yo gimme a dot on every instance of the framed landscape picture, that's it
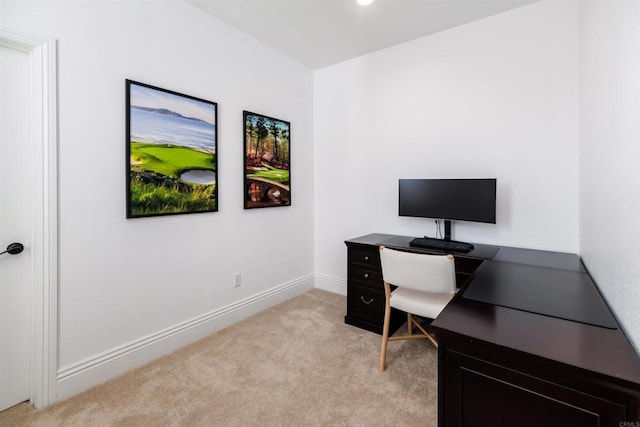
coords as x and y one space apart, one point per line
267 178
172 158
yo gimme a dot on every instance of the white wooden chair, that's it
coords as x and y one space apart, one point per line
425 285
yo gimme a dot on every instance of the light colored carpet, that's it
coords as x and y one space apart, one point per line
295 364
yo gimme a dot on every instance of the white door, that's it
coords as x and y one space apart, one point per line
15 226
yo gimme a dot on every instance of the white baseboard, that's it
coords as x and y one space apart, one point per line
84 374
331 284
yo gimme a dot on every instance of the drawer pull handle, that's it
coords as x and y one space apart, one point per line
366 258
365 301
366 275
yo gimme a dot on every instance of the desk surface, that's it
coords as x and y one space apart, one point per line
559 260
600 350
542 282
565 294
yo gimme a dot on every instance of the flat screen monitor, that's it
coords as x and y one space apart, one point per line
449 199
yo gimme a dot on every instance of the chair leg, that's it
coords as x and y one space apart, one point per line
385 327
433 340
409 325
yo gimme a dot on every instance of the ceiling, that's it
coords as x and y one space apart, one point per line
319 33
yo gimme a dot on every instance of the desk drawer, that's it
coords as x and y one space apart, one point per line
366 303
369 276
365 256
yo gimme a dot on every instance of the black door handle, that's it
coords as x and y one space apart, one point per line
13 249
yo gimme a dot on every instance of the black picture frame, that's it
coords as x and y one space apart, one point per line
267 161
171 152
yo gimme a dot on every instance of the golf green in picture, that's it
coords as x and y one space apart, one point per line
171 152
267 180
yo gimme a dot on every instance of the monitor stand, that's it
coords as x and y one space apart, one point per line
447 230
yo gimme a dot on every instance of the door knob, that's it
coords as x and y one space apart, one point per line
13 249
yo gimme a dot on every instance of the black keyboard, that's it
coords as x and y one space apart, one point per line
443 245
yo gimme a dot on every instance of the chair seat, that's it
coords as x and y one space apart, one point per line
423 304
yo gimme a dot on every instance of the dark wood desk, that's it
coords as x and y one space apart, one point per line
501 366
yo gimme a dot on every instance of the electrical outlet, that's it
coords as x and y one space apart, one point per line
237 280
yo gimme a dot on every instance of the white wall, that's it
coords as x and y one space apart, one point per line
610 154
493 98
127 285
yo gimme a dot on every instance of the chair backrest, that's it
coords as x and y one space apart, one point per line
423 272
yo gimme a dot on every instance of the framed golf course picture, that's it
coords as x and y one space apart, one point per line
267 180
172 152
